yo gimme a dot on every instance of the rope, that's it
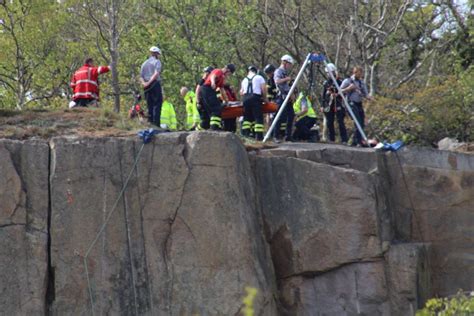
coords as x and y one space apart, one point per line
413 210
101 230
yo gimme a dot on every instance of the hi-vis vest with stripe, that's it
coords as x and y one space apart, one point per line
297 107
192 113
84 82
168 116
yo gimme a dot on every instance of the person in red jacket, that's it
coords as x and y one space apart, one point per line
208 93
85 84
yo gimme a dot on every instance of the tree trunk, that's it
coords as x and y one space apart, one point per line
373 82
114 55
115 80
21 91
431 70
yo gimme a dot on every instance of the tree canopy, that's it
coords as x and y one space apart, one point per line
416 54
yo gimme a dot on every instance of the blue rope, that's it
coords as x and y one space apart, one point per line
147 134
393 146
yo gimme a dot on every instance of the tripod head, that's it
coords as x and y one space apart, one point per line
317 58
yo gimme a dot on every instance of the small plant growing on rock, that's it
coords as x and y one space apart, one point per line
248 301
461 304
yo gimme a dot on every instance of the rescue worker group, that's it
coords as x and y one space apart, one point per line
213 104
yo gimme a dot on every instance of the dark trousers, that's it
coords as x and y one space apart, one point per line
203 115
230 125
330 116
253 115
85 102
303 128
360 117
154 100
212 106
284 125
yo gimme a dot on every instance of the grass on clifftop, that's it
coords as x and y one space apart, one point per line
44 124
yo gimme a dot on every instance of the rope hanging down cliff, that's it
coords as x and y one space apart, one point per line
146 136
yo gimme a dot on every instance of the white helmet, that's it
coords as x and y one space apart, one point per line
288 59
330 68
155 49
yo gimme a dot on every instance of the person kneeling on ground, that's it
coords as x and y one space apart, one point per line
192 113
230 124
168 116
305 119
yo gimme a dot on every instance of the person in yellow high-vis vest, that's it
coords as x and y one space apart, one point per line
168 116
305 118
192 113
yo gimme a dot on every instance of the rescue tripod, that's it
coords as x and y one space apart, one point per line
314 58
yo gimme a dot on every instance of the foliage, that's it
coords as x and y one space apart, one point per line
248 309
31 48
425 115
415 43
461 304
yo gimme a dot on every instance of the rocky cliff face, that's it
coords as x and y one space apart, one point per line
317 229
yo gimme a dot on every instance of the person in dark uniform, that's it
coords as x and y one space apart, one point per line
272 91
203 115
254 93
332 106
212 105
230 124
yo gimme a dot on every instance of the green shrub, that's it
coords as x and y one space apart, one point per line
461 304
425 115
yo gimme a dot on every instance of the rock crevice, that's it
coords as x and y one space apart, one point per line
317 229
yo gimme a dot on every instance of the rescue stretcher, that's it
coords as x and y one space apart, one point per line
236 109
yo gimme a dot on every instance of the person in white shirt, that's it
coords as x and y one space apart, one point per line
254 93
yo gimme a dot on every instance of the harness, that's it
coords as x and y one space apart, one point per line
250 85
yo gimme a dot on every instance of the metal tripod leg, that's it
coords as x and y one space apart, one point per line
347 106
285 102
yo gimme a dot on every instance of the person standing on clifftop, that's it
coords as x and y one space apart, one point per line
210 102
284 125
254 92
272 91
150 78
85 84
332 106
356 90
203 115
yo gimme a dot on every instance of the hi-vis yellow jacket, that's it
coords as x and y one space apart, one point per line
192 113
168 116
